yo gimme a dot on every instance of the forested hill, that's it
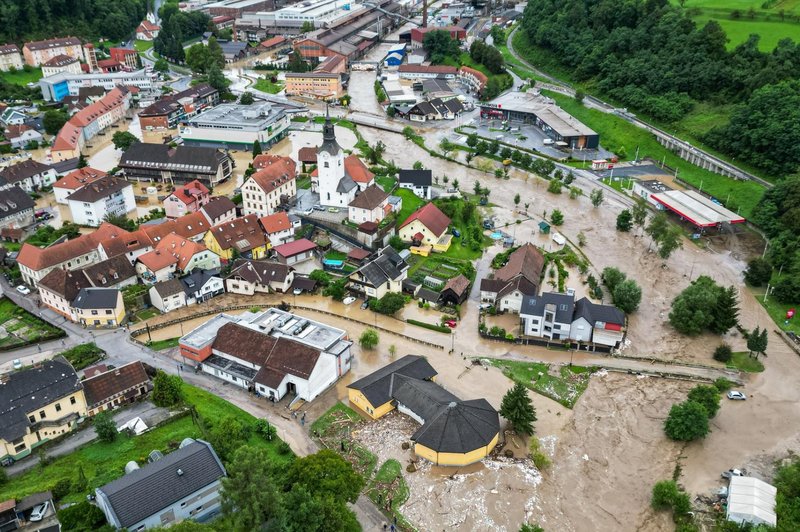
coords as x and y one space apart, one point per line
26 20
651 57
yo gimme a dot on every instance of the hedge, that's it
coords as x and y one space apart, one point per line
438 328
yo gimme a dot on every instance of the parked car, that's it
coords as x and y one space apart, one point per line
333 209
318 207
39 511
734 473
735 395
17 363
456 233
365 304
297 291
308 211
24 290
451 323
484 306
348 300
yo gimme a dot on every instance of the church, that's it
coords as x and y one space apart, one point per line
338 177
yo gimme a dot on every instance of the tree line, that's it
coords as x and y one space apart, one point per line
176 27
25 20
650 56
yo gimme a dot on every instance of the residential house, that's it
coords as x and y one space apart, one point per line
235 50
320 85
145 161
171 109
99 307
218 210
127 57
278 228
307 155
519 277
295 252
383 274
548 316
184 484
37 53
186 198
370 205
22 136
174 254
12 116
453 432
455 290
67 145
434 109
273 184
202 285
239 237
61 63
16 209
116 387
59 288
192 226
248 277
10 57
600 324
167 295
417 181
29 175
38 404
147 31
474 80
106 197
426 226
74 181
116 272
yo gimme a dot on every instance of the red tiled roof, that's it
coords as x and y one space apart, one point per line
100 388
307 154
433 69
40 258
78 178
357 170
431 217
190 192
275 223
275 41
68 137
242 233
172 249
290 249
148 26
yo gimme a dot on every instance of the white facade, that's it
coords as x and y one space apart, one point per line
242 287
511 302
422 192
322 377
213 286
281 237
37 181
255 200
92 214
10 59
25 137
168 303
330 167
358 215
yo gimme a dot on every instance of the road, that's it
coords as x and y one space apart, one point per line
678 144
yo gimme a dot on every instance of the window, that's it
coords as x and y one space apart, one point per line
94 313
32 418
326 165
108 312
58 407
72 400
42 414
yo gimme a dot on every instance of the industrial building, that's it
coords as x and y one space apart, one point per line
531 108
237 126
238 8
453 432
692 206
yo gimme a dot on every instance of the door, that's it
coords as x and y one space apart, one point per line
291 388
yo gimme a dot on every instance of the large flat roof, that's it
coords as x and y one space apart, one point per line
544 108
696 208
751 500
255 115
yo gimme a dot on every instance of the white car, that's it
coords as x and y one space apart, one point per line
348 300
736 395
297 291
308 211
17 363
39 511
24 290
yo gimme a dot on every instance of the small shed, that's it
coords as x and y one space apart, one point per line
455 290
357 255
751 500
544 227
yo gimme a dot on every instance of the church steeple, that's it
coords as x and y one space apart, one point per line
329 143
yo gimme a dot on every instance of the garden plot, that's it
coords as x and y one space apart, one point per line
18 327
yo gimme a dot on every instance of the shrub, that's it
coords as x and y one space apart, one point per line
368 339
540 459
555 186
283 448
723 353
105 427
708 396
81 516
167 389
687 421
430 326
664 494
61 488
723 385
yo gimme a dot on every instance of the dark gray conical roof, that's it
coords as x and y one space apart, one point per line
329 143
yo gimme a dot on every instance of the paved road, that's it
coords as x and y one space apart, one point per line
146 410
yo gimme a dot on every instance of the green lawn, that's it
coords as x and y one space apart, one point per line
146 314
386 183
411 202
304 182
616 132
777 310
22 77
142 46
390 484
84 355
160 345
335 255
619 184
265 85
743 361
103 462
565 389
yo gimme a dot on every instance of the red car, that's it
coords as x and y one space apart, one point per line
451 324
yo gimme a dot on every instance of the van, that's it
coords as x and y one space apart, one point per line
499 137
548 142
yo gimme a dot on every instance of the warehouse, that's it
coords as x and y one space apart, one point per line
453 432
531 108
696 208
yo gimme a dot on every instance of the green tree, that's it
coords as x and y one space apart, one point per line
81 482
215 53
664 494
517 199
627 296
121 221
518 409
612 277
472 140
161 65
246 98
306 512
726 311
198 58
693 309
104 427
657 227
624 221
123 140
82 163
417 165
389 304
687 421
167 389
787 500
723 353
226 435
758 272
368 339
579 96
375 152
326 474
81 517
53 121
250 497
596 197
320 276
556 217
670 241
708 396
335 290
554 186
757 341
440 45
297 63
527 527
639 212
256 149
307 27
216 79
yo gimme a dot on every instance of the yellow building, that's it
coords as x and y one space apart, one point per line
99 307
38 404
320 85
453 432
426 226
244 235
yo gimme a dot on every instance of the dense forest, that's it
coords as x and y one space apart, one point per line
651 57
177 27
26 20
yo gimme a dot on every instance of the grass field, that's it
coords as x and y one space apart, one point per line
23 328
142 46
565 389
616 132
411 202
22 77
776 309
743 361
265 85
160 345
103 462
